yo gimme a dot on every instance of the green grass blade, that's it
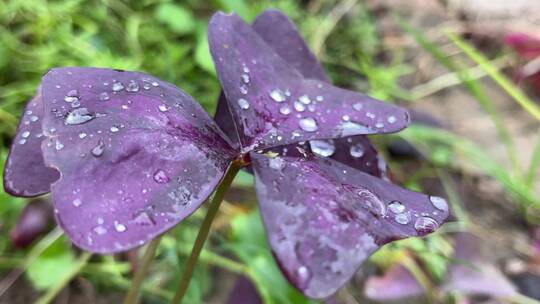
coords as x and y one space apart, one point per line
473 86
497 76
75 269
530 178
430 139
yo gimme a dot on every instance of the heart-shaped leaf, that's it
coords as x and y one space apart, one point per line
136 155
324 218
272 104
25 173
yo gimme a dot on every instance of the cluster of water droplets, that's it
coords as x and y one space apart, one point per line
78 114
300 105
397 211
29 118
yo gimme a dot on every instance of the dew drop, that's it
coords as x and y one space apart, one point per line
104 96
117 86
82 135
155 84
277 95
425 225
396 207
73 93
319 98
358 106
163 108
391 119
25 134
357 150
304 99
439 203
59 146
324 148
308 124
161 177
298 106
22 141
132 86
244 104
285 110
119 227
114 129
374 204
303 274
352 128
243 89
98 150
34 118
403 218
276 163
245 78
71 98
77 202
100 230
78 116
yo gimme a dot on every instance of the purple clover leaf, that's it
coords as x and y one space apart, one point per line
136 155
326 203
127 156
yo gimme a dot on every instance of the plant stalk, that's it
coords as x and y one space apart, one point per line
133 293
204 231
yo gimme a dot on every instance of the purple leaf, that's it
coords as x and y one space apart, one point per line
324 218
34 221
472 274
225 121
25 174
396 283
283 37
355 151
272 104
245 292
136 155
281 34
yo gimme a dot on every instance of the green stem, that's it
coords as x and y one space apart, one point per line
204 230
34 253
134 290
53 291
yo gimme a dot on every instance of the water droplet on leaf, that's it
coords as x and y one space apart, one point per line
324 148
439 203
425 225
277 95
161 177
308 124
244 104
78 116
396 207
357 150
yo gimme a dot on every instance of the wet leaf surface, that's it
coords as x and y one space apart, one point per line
136 154
280 33
324 218
272 104
25 173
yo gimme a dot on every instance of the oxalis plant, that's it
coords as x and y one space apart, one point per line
127 156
